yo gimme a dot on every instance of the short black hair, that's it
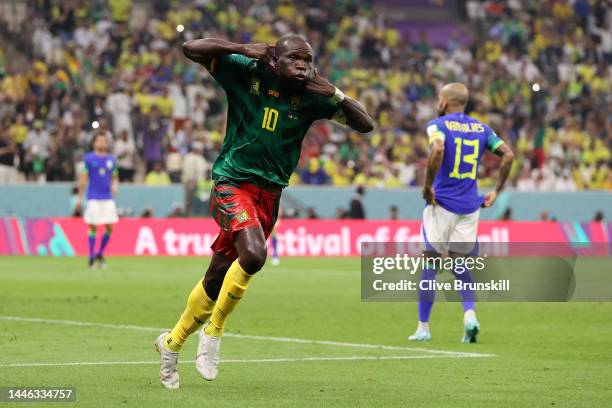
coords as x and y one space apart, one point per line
282 42
95 136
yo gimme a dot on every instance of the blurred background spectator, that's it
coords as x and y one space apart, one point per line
539 73
356 210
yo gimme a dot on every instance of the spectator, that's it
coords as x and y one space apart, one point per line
119 106
18 132
538 73
124 151
8 174
154 133
393 212
564 182
311 214
507 215
177 211
356 210
75 211
314 174
157 176
199 110
194 165
599 216
195 168
37 147
63 152
180 106
104 128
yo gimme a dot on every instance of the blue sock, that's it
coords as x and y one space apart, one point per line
105 239
92 244
426 297
274 243
468 297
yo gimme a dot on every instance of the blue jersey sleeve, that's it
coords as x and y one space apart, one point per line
493 141
87 164
435 131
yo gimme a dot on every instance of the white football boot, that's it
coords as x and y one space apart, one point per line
420 335
207 359
168 374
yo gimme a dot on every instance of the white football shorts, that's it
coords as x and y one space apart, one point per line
101 212
446 231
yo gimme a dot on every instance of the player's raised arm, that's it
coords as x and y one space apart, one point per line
204 50
353 111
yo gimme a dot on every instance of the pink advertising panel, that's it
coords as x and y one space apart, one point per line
296 237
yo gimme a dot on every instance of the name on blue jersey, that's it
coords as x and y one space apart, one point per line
455 126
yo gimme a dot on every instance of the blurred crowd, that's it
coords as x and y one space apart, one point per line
539 73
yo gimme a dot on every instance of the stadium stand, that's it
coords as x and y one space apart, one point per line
539 74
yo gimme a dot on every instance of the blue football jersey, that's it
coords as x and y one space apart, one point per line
100 170
465 140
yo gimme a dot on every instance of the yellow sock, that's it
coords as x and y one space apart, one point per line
199 308
234 285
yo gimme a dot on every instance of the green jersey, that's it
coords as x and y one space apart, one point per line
265 126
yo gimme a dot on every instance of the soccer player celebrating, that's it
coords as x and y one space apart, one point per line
274 94
450 219
100 178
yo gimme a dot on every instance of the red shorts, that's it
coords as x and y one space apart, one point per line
236 205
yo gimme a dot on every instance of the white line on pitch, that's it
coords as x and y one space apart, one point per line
250 337
241 361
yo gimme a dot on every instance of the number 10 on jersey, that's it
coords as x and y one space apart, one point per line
270 119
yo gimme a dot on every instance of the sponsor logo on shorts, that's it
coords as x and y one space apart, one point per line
243 216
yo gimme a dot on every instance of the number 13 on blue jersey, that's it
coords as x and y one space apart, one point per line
463 155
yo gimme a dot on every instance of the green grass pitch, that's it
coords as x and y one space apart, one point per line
546 354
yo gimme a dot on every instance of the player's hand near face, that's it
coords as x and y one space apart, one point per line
259 51
356 115
204 50
319 85
489 199
429 195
